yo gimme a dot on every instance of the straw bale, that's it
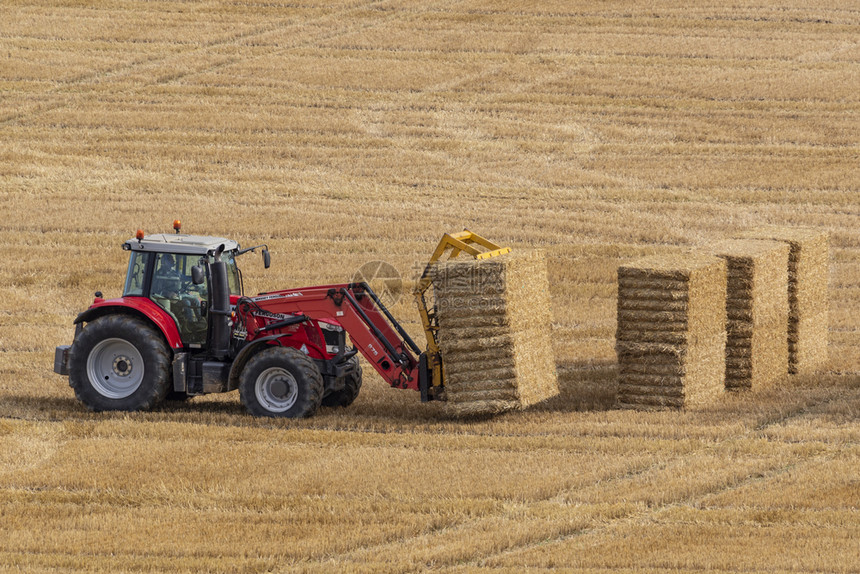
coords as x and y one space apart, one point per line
479 356
452 346
536 374
706 314
656 381
494 332
738 374
652 305
482 407
627 282
705 369
756 311
668 326
505 394
744 351
470 276
476 320
671 336
660 268
742 315
813 329
742 330
651 316
808 268
657 294
806 329
668 369
659 391
465 313
452 336
739 362
503 359
649 352
467 373
488 381
458 305
647 402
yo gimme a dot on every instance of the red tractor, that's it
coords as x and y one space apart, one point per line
184 327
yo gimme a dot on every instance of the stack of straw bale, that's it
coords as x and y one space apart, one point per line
495 332
808 268
756 311
671 333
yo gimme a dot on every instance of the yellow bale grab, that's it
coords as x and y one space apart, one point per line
450 246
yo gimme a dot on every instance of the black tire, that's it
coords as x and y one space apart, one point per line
281 382
119 363
351 386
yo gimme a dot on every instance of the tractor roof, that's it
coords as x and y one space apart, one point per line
178 243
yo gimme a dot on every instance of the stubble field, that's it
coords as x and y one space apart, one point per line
341 133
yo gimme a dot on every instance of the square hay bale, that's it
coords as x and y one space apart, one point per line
495 332
671 333
808 268
756 311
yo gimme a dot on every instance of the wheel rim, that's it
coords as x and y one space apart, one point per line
115 368
276 389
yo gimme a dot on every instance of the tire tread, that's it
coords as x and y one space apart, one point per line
310 381
156 383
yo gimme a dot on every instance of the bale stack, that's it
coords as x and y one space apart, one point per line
671 333
808 268
756 311
495 332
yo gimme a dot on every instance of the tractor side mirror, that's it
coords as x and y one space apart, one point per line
198 275
267 259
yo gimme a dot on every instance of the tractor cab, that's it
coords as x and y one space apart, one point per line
171 271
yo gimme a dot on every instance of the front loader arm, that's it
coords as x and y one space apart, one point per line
377 335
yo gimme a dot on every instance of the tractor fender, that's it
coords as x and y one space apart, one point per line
140 307
245 355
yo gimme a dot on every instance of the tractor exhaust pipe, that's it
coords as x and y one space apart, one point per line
219 307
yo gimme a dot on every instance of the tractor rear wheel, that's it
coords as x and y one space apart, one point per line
119 363
351 386
281 382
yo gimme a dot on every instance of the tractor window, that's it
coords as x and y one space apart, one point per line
174 291
233 277
136 273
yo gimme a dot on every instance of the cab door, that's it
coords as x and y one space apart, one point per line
173 290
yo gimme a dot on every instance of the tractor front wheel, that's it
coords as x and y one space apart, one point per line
119 363
281 382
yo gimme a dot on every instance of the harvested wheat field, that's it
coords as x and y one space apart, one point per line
671 335
756 311
340 133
